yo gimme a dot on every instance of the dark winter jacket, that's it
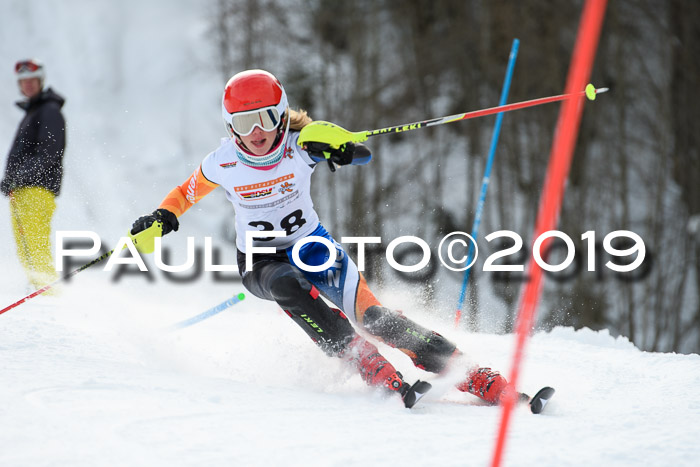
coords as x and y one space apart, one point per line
36 156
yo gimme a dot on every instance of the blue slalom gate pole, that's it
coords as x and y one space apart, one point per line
487 175
210 312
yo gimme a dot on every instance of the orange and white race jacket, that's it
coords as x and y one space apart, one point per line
264 200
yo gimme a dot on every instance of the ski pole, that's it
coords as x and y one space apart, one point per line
487 175
335 136
210 312
54 283
145 236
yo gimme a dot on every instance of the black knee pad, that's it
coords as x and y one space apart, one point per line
428 349
290 289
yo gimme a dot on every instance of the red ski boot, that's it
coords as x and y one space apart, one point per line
374 368
485 384
377 371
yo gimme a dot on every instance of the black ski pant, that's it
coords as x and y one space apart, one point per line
274 278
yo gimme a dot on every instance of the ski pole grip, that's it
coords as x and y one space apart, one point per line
329 133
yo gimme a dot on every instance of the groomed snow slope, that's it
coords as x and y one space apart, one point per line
95 377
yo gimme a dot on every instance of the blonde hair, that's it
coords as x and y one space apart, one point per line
298 119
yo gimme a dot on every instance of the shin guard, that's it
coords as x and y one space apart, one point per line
427 349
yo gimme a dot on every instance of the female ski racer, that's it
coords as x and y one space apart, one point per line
267 177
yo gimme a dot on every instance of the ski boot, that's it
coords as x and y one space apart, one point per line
374 369
484 383
377 371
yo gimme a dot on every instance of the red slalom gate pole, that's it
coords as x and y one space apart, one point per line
553 193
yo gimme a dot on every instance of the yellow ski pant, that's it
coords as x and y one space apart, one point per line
31 210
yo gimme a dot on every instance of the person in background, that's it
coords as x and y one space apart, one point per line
267 176
34 171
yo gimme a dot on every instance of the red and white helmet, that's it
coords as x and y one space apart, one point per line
256 98
30 68
253 98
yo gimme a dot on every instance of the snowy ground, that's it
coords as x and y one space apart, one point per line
95 377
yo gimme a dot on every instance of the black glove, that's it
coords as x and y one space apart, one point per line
168 219
341 156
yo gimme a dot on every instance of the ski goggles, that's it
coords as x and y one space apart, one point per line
26 65
267 119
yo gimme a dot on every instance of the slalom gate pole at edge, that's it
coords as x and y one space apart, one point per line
552 195
487 174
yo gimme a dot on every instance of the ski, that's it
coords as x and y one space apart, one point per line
415 392
537 402
540 400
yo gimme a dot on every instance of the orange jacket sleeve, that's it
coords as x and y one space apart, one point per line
183 197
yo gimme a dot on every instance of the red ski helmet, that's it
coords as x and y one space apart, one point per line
253 98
